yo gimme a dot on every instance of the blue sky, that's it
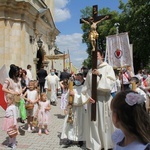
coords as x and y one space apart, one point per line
66 16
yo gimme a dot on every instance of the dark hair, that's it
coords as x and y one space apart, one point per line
135 79
85 71
133 118
65 69
101 52
24 71
28 66
13 71
79 74
42 66
81 77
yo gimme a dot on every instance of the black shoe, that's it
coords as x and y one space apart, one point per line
68 143
66 146
22 121
80 144
54 104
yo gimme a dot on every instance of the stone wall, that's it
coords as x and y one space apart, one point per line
21 26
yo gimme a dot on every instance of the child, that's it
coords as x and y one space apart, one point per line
135 82
64 86
135 86
129 116
31 96
43 113
10 120
35 120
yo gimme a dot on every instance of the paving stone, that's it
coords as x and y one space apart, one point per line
32 141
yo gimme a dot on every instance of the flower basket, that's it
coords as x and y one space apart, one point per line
29 106
17 98
12 132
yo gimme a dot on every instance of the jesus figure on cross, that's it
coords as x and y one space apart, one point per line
93 35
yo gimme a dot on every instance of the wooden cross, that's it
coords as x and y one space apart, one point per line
95 18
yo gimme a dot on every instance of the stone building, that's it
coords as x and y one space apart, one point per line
27 33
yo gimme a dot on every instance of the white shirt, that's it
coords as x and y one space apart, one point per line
114 89
32 95
29 74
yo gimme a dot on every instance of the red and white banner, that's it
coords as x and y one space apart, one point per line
3 76
118 50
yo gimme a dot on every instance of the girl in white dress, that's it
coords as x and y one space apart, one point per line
43 113
64 101
31 96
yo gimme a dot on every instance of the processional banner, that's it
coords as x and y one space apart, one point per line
118 50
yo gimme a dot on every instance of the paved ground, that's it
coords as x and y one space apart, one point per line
32 141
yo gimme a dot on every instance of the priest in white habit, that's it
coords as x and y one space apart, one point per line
98 133
73 129
52 86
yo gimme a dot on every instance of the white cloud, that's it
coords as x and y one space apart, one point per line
61 3
61 12
76 48
72 42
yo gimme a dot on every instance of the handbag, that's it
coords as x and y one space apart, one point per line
12 132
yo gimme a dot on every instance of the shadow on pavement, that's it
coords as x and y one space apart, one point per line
6 141
21 130
60 116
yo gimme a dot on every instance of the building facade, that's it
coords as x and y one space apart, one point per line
23 25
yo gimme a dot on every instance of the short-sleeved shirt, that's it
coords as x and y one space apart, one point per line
118 137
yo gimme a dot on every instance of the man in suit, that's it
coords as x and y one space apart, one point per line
64 75
41 74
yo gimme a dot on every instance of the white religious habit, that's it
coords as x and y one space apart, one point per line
51 86
98 133
74 132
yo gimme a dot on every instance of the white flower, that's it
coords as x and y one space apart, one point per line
134 98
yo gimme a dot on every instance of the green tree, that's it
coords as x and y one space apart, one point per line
135 17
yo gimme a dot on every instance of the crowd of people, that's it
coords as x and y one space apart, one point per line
122 105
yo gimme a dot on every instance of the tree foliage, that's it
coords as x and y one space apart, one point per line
134 18
137 17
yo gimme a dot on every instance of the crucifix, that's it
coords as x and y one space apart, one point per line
93 36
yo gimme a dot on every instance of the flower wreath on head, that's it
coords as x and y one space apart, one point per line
134 98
